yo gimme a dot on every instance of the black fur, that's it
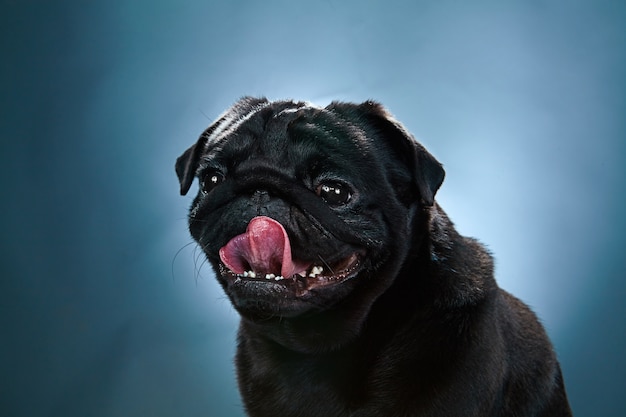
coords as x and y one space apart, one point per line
421 330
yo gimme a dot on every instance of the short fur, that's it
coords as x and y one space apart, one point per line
421 330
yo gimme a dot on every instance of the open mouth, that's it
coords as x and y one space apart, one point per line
314 277
263 254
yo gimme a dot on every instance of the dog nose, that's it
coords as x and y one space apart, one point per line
260 197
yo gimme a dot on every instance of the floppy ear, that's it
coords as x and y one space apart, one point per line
427 172
187 163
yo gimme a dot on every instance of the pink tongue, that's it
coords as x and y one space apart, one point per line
264 249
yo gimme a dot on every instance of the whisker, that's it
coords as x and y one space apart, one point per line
326 264
176 256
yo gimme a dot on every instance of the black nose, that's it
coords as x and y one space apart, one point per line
260 200
260 196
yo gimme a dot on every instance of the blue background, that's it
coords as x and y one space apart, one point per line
108 309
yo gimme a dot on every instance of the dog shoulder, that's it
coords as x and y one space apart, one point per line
533 377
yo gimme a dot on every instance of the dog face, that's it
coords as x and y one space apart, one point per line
304 212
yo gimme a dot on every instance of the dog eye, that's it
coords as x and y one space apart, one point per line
333 193
210 181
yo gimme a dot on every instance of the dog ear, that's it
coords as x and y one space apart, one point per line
428 173
187 163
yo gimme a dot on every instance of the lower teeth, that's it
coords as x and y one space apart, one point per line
314 272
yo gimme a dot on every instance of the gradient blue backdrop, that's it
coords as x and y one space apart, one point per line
106 309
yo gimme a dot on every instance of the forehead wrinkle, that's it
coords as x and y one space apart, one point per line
323 123
325 141
230 124
233 124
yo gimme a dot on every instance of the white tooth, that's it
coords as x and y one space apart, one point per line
278 278
251 274
315 271
270 276
245 274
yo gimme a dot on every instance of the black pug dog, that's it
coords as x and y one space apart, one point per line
357 296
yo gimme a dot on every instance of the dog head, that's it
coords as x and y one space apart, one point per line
307 214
